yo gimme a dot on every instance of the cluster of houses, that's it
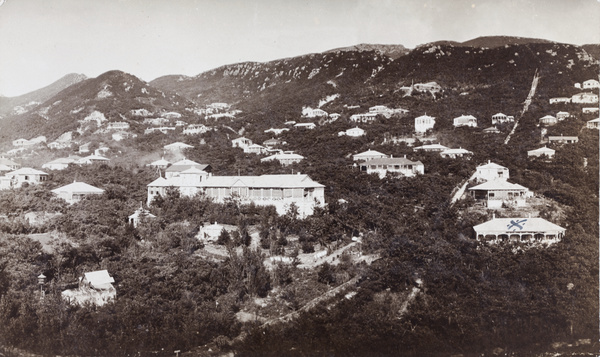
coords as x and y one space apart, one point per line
285 158
583 97
495 191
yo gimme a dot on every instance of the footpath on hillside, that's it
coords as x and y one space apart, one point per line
534 83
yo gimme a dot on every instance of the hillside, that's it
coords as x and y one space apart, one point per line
114 94
22 103
389 266
274 92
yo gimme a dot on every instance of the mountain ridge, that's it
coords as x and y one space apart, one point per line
8 104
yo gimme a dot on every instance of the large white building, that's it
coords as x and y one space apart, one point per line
491 171
526 230
400 165
424 123
265 190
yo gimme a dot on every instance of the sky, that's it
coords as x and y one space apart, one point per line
43 40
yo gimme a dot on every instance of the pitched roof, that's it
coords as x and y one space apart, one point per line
185 164
456 151
369 153
26 171
498 185
432 147
99 278
392 161
283 156
78 187
178 145
535 224
490 165
95 157
160 182
263 181
465 117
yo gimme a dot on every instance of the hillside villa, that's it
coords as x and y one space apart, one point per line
514 230
491 171
431 148
76 191
562 115
562 139
255 149
456 153
591 84
241 142
424 123
305 125
465 120
313 113
194 129
584 97
265 190
363 117
23 175
92 159
543 151
497 193
560 100
429 86
548 120
400 166
500 118
270 143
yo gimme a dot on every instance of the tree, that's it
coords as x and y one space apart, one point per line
224 237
